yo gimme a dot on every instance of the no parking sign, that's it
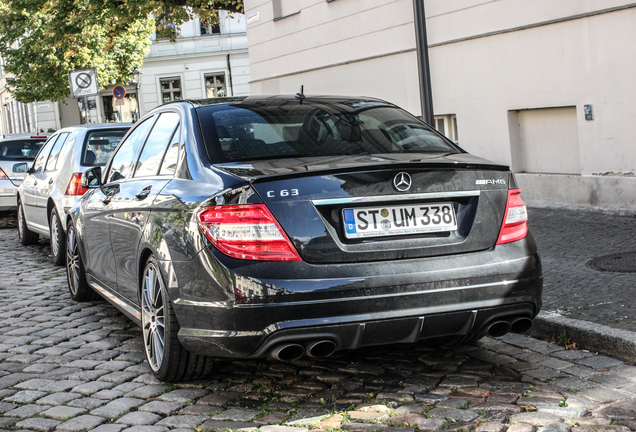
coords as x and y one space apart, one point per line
119 92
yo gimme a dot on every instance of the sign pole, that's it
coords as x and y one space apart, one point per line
86 112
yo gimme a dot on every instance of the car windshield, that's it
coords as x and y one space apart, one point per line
281 129
100 145
20 149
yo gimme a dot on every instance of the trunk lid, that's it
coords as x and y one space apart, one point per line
310 197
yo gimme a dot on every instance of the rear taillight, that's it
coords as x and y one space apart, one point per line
3 176
515 224
247 232
75 185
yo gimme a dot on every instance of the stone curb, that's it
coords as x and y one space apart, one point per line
587 335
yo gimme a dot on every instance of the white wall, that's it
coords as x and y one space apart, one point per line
330 33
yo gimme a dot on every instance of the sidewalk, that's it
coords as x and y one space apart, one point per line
572 291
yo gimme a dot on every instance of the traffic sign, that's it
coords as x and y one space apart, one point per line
83 83
119 92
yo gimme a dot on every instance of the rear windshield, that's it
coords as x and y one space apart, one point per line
288 129
100 145
20 149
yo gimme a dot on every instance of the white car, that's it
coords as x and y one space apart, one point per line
15 149
53 184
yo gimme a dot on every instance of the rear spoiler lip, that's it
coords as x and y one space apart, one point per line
379 167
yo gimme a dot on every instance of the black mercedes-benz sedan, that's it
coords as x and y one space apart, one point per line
288 226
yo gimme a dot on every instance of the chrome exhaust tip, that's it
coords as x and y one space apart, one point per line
288 352
320 349
498 328
521 325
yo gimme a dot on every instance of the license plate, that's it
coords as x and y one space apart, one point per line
399 220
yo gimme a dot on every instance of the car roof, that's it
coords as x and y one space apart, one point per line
23 137
250 100
96 126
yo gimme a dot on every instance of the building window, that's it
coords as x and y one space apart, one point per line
447 125
165 29
209 29
170 89
215 86
285 8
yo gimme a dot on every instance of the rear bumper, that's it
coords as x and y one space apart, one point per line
8 196
353 305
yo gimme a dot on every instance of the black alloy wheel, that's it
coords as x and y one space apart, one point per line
27 237
75 274
58 241
168 360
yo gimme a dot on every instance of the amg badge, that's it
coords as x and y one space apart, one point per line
491 182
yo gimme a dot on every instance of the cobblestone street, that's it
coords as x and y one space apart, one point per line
567 241
73 367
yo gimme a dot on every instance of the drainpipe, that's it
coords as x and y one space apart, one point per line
426 94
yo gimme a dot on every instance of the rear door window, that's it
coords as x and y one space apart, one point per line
123 160
38 166
170 160
55 152
155 147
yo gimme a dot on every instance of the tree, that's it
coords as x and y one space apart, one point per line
41 40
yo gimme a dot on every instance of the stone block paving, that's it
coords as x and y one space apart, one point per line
80 367
567 241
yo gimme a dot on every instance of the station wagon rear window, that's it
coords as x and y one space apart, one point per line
100 145
288 129
20 149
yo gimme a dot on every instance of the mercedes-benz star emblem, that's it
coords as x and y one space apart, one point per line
402 182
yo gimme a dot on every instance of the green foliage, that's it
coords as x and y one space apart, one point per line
41 40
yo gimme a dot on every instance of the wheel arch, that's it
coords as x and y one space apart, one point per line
143 259
50 205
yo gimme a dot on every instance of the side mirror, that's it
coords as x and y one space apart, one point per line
20 167
92 178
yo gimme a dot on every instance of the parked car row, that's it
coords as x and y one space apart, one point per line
286 226
53 184
15 149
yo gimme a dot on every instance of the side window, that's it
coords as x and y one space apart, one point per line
55 153
170 160
122 163
156 144
40 161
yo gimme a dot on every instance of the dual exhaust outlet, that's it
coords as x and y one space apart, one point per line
289 352
319 349
515 325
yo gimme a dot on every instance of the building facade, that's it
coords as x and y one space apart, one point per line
203 62
545 87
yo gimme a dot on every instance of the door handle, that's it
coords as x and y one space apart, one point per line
144 193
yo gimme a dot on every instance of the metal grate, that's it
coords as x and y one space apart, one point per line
622 263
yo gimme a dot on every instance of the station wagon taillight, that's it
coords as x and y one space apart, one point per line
515 224
3 176
75 185
247 232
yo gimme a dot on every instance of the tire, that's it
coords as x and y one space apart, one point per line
168 360
27 237
58 239
75 274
